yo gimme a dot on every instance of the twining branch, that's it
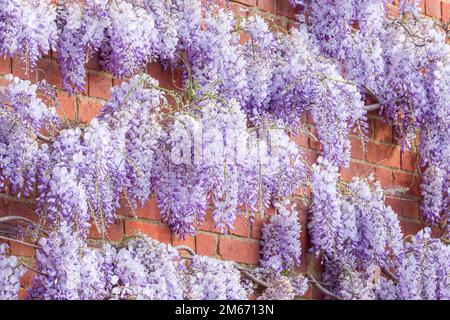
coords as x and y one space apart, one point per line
322 290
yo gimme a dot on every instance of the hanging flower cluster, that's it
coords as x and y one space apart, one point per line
10 273
404 64
139 268
22 115
27 29
280 248
84 173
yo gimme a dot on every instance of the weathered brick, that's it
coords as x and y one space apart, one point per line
239 250
187 241
113 233
99 86
383 154
5 65
206 244
150 210
433 8
267 5
156 231
240 227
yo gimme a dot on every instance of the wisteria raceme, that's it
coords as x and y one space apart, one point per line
370 229
348 283
307 82
215 58
130 40
261 52
425 269
62 196
166 21
81 32
188 17
281 247
212 279
10 273
432 191
163 267
326 214
23 114
133 110
28 29
180 187
58 259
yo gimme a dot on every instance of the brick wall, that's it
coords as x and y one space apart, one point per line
382 158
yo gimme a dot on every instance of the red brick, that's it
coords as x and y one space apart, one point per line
284 8
206 244
247 2
19 249
357 148
410 228
27 278
5 65
446 12
149 211
408 160
113 233
433 8
356 169
67 109
267 5
168 79
187 241
240 227
383 131
88 109
410 209
257 225
48 70
383 154
94 62
409 181
99 86
155 231
300 139
384 176
395 204
19 71
239 251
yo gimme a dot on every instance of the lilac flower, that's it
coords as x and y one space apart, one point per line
28 29
10 274
212 279
281 248
124 52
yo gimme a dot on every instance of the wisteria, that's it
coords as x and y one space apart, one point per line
27 29
81 33
10 273
280 248
214 280
222 146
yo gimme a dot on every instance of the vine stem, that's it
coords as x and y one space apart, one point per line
246 272
16 199
322 290
21 242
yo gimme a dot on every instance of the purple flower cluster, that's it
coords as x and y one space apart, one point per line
28 29
81 32
424 273
10 274
23 114
281 247
212 279
131 40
